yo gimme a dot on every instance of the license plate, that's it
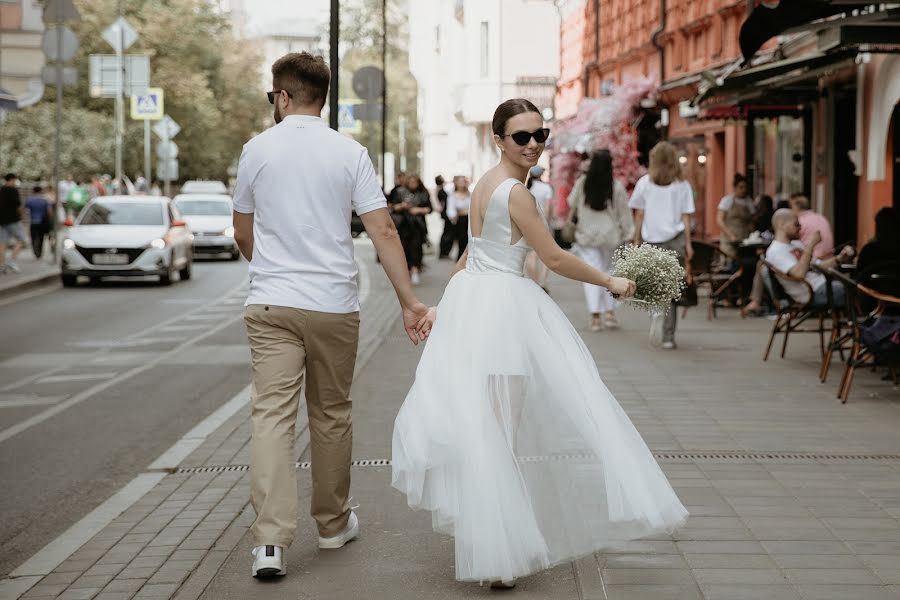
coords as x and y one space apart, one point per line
110 259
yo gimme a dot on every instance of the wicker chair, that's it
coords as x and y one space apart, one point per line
860 355
708 271
792 314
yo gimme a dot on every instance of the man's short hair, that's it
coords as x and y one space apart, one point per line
304 76
37 189
781 217
9 177
800 201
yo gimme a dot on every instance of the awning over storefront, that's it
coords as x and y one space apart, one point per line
770 19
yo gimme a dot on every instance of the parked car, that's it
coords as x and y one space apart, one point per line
127 236
209 217
203 187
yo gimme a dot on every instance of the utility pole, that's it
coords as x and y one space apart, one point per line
57 144
120 101
383 89
333 92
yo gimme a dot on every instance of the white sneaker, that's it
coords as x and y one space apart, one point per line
668 345
338 541
13 267
268 561
414 278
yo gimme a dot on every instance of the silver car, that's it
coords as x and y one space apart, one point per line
209 217
127 236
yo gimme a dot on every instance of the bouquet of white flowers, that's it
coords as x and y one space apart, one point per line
657 273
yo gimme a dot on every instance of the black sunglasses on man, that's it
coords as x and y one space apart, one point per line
271 95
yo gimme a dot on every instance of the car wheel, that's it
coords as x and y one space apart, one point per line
185 273
235 255
69 280
167 277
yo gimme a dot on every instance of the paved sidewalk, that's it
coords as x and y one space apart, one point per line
34 272
792 495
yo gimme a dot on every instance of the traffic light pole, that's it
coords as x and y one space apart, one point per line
383 91
120 103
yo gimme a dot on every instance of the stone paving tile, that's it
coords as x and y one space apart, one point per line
846 592
645 592
749 592
739 576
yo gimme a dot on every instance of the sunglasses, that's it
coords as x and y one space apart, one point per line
523 137
271 95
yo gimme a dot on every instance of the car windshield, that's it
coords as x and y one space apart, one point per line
123 213
204 208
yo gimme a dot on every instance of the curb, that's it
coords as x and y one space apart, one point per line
28 282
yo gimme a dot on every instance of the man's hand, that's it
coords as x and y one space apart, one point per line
412 315
621 287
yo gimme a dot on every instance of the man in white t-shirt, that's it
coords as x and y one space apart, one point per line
787 254
297 184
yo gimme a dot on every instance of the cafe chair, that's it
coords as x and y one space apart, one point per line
863 352
792 315
844 321
709 267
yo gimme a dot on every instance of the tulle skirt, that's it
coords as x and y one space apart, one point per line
512 441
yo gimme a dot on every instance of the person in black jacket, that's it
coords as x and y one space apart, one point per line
449 235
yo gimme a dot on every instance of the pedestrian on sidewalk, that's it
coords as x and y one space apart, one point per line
603 222
663 203
448 237
11 229
458 210
40 211
297 184
508 435
543 196
419 205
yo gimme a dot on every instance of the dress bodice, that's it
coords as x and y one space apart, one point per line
492 252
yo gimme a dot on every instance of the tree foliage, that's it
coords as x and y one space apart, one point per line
210 81
361 36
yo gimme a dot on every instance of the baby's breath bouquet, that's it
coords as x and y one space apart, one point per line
656 271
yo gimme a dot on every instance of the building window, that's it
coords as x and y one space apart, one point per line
484 49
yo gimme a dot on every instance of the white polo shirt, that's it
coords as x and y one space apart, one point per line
301 180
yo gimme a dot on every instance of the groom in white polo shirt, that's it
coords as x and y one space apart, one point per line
297 184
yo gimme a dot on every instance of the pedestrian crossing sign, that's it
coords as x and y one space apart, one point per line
149 106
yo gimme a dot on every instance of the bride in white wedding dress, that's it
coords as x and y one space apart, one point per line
508 435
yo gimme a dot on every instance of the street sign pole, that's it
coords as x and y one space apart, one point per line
147 153
57 146
384 91
335 57
120 101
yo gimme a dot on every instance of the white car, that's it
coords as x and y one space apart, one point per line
127 236
197 186
209 217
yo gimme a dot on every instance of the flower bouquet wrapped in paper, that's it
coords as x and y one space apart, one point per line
657 273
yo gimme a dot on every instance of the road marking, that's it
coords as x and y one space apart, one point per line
88 393
42 563
171 458
152 328
33 401
76 377
53 554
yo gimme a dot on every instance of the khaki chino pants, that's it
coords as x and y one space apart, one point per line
286 345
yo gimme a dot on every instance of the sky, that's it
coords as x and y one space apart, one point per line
264 12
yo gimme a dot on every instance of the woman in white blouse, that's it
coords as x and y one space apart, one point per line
663 203
458 203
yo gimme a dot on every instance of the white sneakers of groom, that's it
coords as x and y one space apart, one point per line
268 561
343 537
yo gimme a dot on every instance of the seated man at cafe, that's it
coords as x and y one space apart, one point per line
791 256
810 223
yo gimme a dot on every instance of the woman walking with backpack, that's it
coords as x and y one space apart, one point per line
599 207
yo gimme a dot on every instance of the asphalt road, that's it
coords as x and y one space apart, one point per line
138 364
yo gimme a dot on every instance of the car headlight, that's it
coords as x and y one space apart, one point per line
229 232
158 243
68 244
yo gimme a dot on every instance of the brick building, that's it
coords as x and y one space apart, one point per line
812 110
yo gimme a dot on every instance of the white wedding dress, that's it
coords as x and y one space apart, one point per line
508 434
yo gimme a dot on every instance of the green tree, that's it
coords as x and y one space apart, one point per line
361 35
208 75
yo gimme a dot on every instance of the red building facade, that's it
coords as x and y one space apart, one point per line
782 120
